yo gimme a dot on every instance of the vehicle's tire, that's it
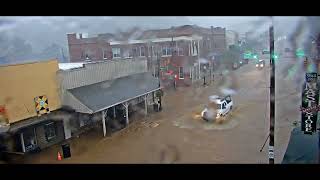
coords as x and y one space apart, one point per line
209 120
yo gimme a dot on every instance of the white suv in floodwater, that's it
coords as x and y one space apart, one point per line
217 107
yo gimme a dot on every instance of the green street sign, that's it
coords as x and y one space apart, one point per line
300 53
247 55
163 68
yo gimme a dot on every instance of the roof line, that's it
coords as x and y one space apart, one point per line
125 100
90 110
31 62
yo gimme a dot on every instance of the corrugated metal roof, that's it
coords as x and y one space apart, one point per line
106 94
100 71
54 116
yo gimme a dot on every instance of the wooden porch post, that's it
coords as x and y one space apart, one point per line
127 113
104 122
145 105
22 142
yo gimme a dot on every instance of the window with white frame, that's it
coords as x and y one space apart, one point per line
166 51
127 53
116 53
154 50
135 52
181 73
82 55
86 54
50 131
142 51
149 51
194 48
180 52
105 54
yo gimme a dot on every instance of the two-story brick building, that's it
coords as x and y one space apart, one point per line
175 51
83 48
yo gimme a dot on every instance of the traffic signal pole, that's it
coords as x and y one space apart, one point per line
272 96
317 41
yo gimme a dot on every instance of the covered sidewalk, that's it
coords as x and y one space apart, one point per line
100 97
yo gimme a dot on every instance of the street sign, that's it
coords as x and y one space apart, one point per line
310 98
300 53
247 55
163 68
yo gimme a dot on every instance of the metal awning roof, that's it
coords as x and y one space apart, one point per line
54 116
302 148
102 95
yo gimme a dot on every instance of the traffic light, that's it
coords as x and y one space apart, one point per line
275 56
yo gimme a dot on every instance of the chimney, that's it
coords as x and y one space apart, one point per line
71 37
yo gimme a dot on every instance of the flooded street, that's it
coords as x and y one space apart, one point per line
178 134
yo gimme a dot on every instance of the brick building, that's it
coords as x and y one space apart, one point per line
177 49
82 48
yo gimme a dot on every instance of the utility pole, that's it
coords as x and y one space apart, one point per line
198 52
272 95
158 59
317 41
171 60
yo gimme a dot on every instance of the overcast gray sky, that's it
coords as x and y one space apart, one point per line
41 31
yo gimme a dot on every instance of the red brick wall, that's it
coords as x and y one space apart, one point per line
92 46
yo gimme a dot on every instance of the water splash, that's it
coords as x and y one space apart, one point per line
227 91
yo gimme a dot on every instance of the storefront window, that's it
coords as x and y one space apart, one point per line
50 131
181 74
29 138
